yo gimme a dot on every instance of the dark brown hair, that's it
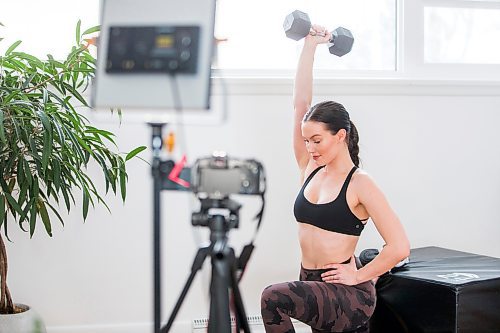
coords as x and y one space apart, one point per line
335 117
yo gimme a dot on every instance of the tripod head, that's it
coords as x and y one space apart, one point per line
212 208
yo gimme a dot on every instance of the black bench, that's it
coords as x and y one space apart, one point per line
439 291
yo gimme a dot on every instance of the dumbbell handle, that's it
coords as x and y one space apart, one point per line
314 33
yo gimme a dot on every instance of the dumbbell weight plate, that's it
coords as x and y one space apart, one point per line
341 42
297 25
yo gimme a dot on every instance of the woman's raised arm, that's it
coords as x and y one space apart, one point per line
302 93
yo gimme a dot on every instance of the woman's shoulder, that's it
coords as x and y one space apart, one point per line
365 186
361 179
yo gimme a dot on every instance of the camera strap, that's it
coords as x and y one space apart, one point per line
259 215
246 253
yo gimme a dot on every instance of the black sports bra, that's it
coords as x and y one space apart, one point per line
332 216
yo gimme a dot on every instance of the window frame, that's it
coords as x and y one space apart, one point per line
409 57
411 44
409 52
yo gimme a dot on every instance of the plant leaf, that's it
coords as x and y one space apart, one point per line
22 194
6 232
57 174
35 190
47 139
47 150
56 212
84 145
108 135
12 47
76 94
2 128
135 152
78 24
45 216
123 178
45 120
20 172
27 172
85 202
33 213
28 81
45 95
59 131
66 198
74 52
13 203
32 60
91 30
25 212
123 184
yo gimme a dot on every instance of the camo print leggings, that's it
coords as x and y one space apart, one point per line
326 307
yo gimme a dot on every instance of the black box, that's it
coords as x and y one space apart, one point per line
440 290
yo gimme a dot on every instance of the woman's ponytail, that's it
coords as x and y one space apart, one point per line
352 144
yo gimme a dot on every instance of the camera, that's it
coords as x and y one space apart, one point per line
218 176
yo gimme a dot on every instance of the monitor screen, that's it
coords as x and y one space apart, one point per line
154 54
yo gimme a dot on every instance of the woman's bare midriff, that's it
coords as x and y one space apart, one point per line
320 247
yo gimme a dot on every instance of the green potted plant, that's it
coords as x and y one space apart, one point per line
46 144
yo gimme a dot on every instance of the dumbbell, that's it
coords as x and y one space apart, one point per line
369 254
297 25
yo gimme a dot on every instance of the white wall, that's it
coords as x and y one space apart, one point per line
435 151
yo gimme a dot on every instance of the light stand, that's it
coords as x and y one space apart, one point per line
156 145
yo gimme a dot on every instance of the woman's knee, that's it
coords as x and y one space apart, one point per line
268 293
277 305
275 295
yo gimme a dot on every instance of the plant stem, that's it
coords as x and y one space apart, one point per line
6 305
43 83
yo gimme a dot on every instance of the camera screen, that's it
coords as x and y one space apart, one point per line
223 181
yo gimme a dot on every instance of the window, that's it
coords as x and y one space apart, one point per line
451 39
45 26
256 40
462 35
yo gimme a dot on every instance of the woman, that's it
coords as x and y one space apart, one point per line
331 209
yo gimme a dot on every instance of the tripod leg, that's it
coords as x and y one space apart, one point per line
197 263
220 320
241 317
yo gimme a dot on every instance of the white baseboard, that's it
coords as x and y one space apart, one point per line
178 327
255 322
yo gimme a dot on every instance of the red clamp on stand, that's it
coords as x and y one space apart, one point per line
176 170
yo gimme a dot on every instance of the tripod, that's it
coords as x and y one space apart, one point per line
224 267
